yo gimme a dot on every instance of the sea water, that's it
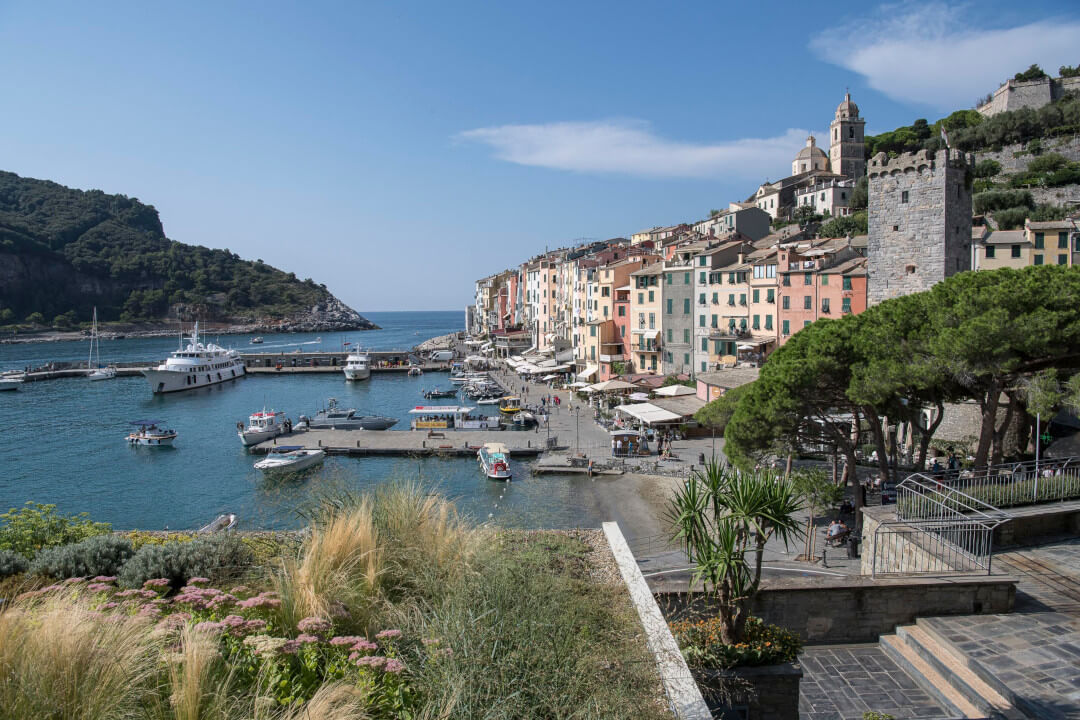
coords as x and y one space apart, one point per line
62 441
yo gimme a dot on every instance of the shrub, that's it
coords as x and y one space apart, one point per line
1011 218
217 556
992 200
139 538
101 555
35 526
987 168
1047 163
12 563
762 644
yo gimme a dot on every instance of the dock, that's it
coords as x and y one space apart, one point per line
452 443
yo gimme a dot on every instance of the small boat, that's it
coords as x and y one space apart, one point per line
490 400
96 371
335 418
11 382
262 426
510 405
289 458
256 341
223 522
439 394
495 459
525 421
150 435
414 371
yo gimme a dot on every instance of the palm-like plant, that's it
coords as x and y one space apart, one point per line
722 514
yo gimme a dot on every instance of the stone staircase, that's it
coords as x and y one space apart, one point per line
964 687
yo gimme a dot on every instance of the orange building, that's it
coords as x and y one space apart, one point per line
823 279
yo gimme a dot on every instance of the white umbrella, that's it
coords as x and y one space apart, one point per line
612 385
639 396
578 384
674 391
549 377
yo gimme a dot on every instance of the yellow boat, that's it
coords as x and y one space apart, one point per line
510 405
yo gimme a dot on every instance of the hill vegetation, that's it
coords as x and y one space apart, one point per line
63 251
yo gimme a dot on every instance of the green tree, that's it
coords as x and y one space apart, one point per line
854 224
987 168
860 194
717 413
723 515
1032 73
35 318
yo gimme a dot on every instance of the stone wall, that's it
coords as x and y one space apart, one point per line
919 221
1015 94
826 609
1014 158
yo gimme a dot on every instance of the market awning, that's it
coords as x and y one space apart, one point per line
648 413
578 384
611 385
549 377
588 372
674 391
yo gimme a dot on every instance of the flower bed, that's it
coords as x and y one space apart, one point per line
763 644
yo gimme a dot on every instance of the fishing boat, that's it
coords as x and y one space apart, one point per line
195 366
256 341
336 418
439 394
96 370
150 435
357 365
222 523
495 459
414 371
11 381
288 459
261 426
510 405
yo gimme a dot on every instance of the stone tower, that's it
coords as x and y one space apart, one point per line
919 221
847 149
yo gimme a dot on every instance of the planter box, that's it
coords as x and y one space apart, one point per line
769 692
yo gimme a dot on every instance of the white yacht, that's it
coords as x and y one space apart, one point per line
95 371
11 381
261 426
195 366
357 365
494 458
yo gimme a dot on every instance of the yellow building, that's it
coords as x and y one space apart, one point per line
1053 242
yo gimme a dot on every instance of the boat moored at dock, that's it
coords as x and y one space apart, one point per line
439 394
95 370
450 417
195 366
495 459
262 426
289 458
11 381
336 418
357 365
510 405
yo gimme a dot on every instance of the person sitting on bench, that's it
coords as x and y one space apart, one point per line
837 532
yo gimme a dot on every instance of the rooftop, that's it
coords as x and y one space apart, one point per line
730 377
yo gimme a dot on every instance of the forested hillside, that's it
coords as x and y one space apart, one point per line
63 251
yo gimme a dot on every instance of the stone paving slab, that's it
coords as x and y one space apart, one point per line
841 682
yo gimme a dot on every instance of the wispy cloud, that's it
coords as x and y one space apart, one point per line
631 148
933 54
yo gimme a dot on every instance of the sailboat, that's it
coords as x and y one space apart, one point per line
97 372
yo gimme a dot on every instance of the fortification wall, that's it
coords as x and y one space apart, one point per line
1013 158
1014 95
919 221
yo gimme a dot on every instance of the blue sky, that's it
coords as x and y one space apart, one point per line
397 151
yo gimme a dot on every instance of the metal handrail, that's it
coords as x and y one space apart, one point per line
943 501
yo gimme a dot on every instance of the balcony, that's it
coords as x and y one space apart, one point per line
612 358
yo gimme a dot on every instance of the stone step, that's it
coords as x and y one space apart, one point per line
929 679
938 629
952 666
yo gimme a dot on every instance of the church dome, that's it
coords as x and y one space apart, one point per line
847 109
811 151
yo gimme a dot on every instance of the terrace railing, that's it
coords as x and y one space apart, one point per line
1011 484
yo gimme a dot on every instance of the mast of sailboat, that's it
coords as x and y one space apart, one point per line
93 334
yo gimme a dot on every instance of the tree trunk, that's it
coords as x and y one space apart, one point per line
879 444
989 405
1002 431
854 477
928 435
787 467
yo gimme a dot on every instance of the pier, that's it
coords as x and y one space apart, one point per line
452 443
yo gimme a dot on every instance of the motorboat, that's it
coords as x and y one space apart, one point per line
150 435
262 426
289 458
490 400
525 420
11 381
222 523
336 418
256 341
95 369
495 459
357 365
415 371
195 366
510 405
439 394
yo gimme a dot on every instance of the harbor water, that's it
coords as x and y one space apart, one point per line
62 441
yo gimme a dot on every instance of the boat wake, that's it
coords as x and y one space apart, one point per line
285 345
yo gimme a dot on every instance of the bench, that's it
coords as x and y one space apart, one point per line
433 434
